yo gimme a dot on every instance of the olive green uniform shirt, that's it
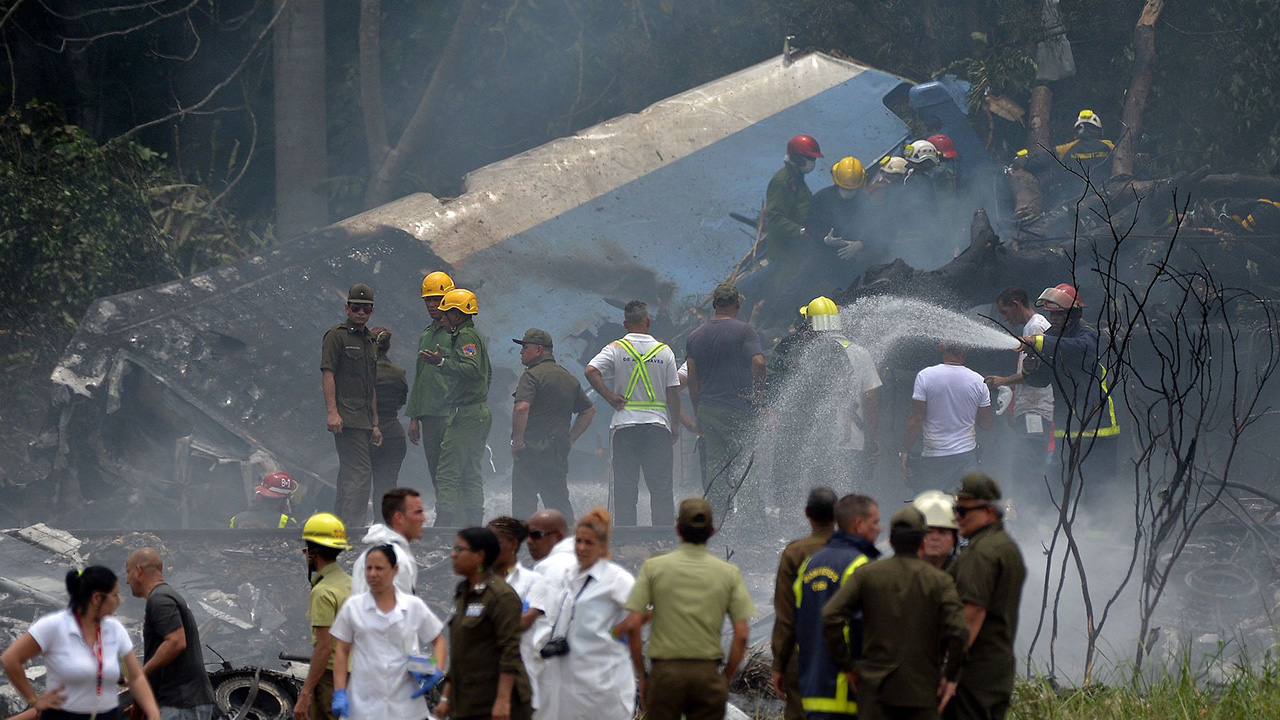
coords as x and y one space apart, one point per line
466 367
784 595
690 591
989 573
911 618
484 641
426 399
554 397
786 207
330 588
352 356
391 387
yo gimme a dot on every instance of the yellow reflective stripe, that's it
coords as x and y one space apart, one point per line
1110 430
640 375
798 585
859 562
284 521
233 523
1039 343
838 704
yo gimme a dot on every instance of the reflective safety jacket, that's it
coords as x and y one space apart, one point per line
824 687
1094 154
640 376
1074 355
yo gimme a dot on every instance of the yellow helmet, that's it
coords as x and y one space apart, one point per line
1088 117
848 173
937 507
822 314
436 284
463 300
327 530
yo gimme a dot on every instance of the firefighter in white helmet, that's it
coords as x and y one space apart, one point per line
939 545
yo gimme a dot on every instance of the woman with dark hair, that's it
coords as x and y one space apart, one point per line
385 633
487 677
83 649
392 390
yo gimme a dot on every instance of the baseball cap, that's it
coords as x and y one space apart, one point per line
907 518
534 336
978 486
726 292
695 512
360 294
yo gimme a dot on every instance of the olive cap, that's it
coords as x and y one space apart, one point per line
695 512
360 294
978 486
534 336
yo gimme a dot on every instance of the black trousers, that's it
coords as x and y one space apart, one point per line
647 448
541 470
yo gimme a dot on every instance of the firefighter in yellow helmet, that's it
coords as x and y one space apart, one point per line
426 408
325 537
833 212
464 363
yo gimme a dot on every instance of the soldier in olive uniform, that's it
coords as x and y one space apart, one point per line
486 675
911 619
786 209
465 366
820 510
348 370
546 396
427 411
989 574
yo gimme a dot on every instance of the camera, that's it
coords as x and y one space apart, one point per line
555 647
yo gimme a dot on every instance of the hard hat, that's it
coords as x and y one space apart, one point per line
946 148
463 300
894 166
920 151
804 145
276 485
1022 153
436 284
1059 297
1088 117
327 530
937 507
822 314
848 173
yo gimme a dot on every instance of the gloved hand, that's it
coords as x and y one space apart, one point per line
340 706
426 683
524 606
831 238
848 249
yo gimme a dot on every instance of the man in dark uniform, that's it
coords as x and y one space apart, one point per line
825 688
820 510
989 574
834 215
427 411
911 619
465 366
348 371
786 209
392 389
546 396
1088 154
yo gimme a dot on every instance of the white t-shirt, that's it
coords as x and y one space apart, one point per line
865 379
616 366
1027 399
379 685
72 664
953 394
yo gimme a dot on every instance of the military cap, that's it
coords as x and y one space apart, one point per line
978 486
726 292
534 336
695 512
908 518
360 294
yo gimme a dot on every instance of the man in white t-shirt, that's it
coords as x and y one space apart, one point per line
948 403
1032 414
637 376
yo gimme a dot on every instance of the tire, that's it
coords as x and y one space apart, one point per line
274 701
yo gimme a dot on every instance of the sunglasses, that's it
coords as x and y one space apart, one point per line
360 307
961 510
537 534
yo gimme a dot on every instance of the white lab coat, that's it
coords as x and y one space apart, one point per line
523 580
553 571
406 579
379 685
596 680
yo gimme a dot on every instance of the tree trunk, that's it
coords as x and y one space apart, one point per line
300 122
385 174
1038 118
1144 61
375 117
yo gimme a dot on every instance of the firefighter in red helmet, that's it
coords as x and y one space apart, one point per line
786 208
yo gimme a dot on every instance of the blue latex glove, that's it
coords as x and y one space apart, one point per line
426 683
524 606
340 706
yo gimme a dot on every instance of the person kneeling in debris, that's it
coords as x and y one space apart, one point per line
270 507
395 647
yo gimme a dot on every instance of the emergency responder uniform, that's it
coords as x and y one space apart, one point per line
466 368
1088 149
786 209
330 588
1261 216
989 574
824 688
1069 361
351 354
946 178
392 388
484 641
426 399
835 215
785 658
270 508
911 618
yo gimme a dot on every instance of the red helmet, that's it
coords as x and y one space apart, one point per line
276 485
1059 297
946 148
804 145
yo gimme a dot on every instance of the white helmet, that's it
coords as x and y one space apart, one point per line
920 151
893 166
938 509
1088 117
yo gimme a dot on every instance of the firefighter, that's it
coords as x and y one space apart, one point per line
270 507
465 366
941 538
833 212
947 176
786 210
1088 149
427 411
1259 217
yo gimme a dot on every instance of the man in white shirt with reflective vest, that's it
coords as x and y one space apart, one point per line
637 376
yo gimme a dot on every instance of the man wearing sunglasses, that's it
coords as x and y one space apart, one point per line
348 369
989 574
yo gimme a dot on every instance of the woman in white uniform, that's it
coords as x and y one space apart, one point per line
596 678
379 630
